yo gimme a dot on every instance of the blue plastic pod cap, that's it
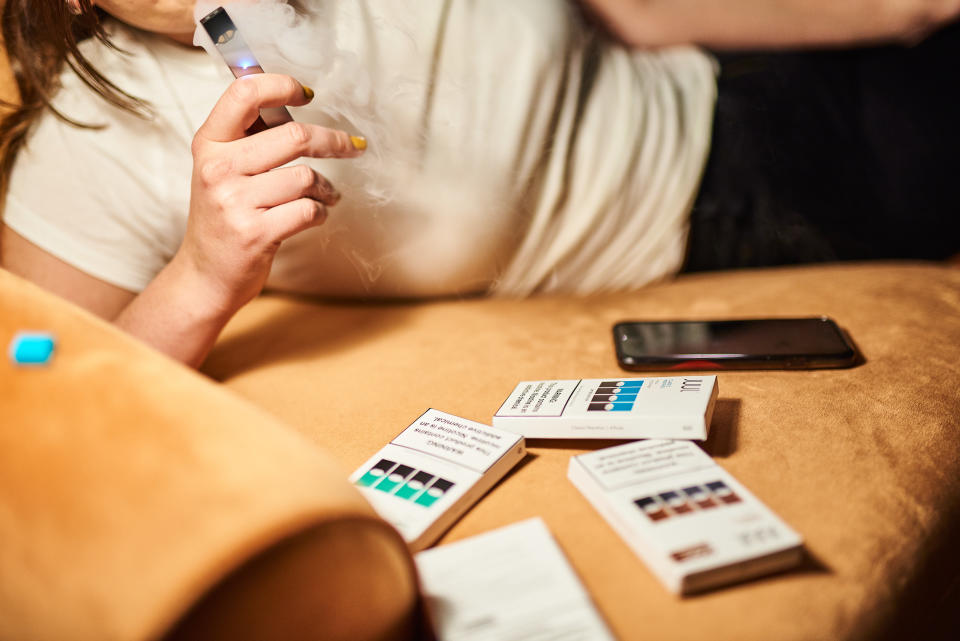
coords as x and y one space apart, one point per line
32 348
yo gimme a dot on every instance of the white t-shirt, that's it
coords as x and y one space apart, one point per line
512 150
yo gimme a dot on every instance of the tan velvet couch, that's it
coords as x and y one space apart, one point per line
864 462
131 485
139 500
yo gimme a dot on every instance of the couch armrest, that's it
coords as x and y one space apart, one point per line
130 487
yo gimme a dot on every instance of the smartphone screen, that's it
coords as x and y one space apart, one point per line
768 343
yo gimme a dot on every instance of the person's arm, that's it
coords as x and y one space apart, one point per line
172 314
23 258
766 24
243 204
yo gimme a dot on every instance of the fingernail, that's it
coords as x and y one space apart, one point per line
359 142
307 92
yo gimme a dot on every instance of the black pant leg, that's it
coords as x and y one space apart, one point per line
832 156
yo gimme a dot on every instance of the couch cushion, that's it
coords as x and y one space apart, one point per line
130 486
864 462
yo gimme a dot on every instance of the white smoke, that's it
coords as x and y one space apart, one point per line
434 186
309 48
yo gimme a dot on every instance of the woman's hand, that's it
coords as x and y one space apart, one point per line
241 205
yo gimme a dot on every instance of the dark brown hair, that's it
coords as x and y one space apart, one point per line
40 38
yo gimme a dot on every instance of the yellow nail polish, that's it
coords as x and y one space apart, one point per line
359 142
307 92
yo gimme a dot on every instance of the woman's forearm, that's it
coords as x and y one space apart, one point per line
177 314
243 204
744 24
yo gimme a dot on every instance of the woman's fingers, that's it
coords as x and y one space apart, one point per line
239 197
286 184
240 105
289 219
241 205
222 140
278 146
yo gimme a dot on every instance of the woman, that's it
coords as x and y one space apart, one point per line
226 251
536 154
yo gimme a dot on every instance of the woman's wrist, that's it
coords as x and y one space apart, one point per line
181 313
202 294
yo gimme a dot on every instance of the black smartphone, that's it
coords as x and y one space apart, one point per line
761 343
231 45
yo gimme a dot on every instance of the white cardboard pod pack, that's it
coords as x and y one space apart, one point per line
510 583
693 524
676 407
434 471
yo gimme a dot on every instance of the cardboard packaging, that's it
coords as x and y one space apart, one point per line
676 407
693 524
434 471
510 583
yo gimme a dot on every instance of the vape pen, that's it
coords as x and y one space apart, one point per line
239 58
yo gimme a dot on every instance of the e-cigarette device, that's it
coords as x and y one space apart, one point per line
239 58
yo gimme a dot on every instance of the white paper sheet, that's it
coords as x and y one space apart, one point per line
510 584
